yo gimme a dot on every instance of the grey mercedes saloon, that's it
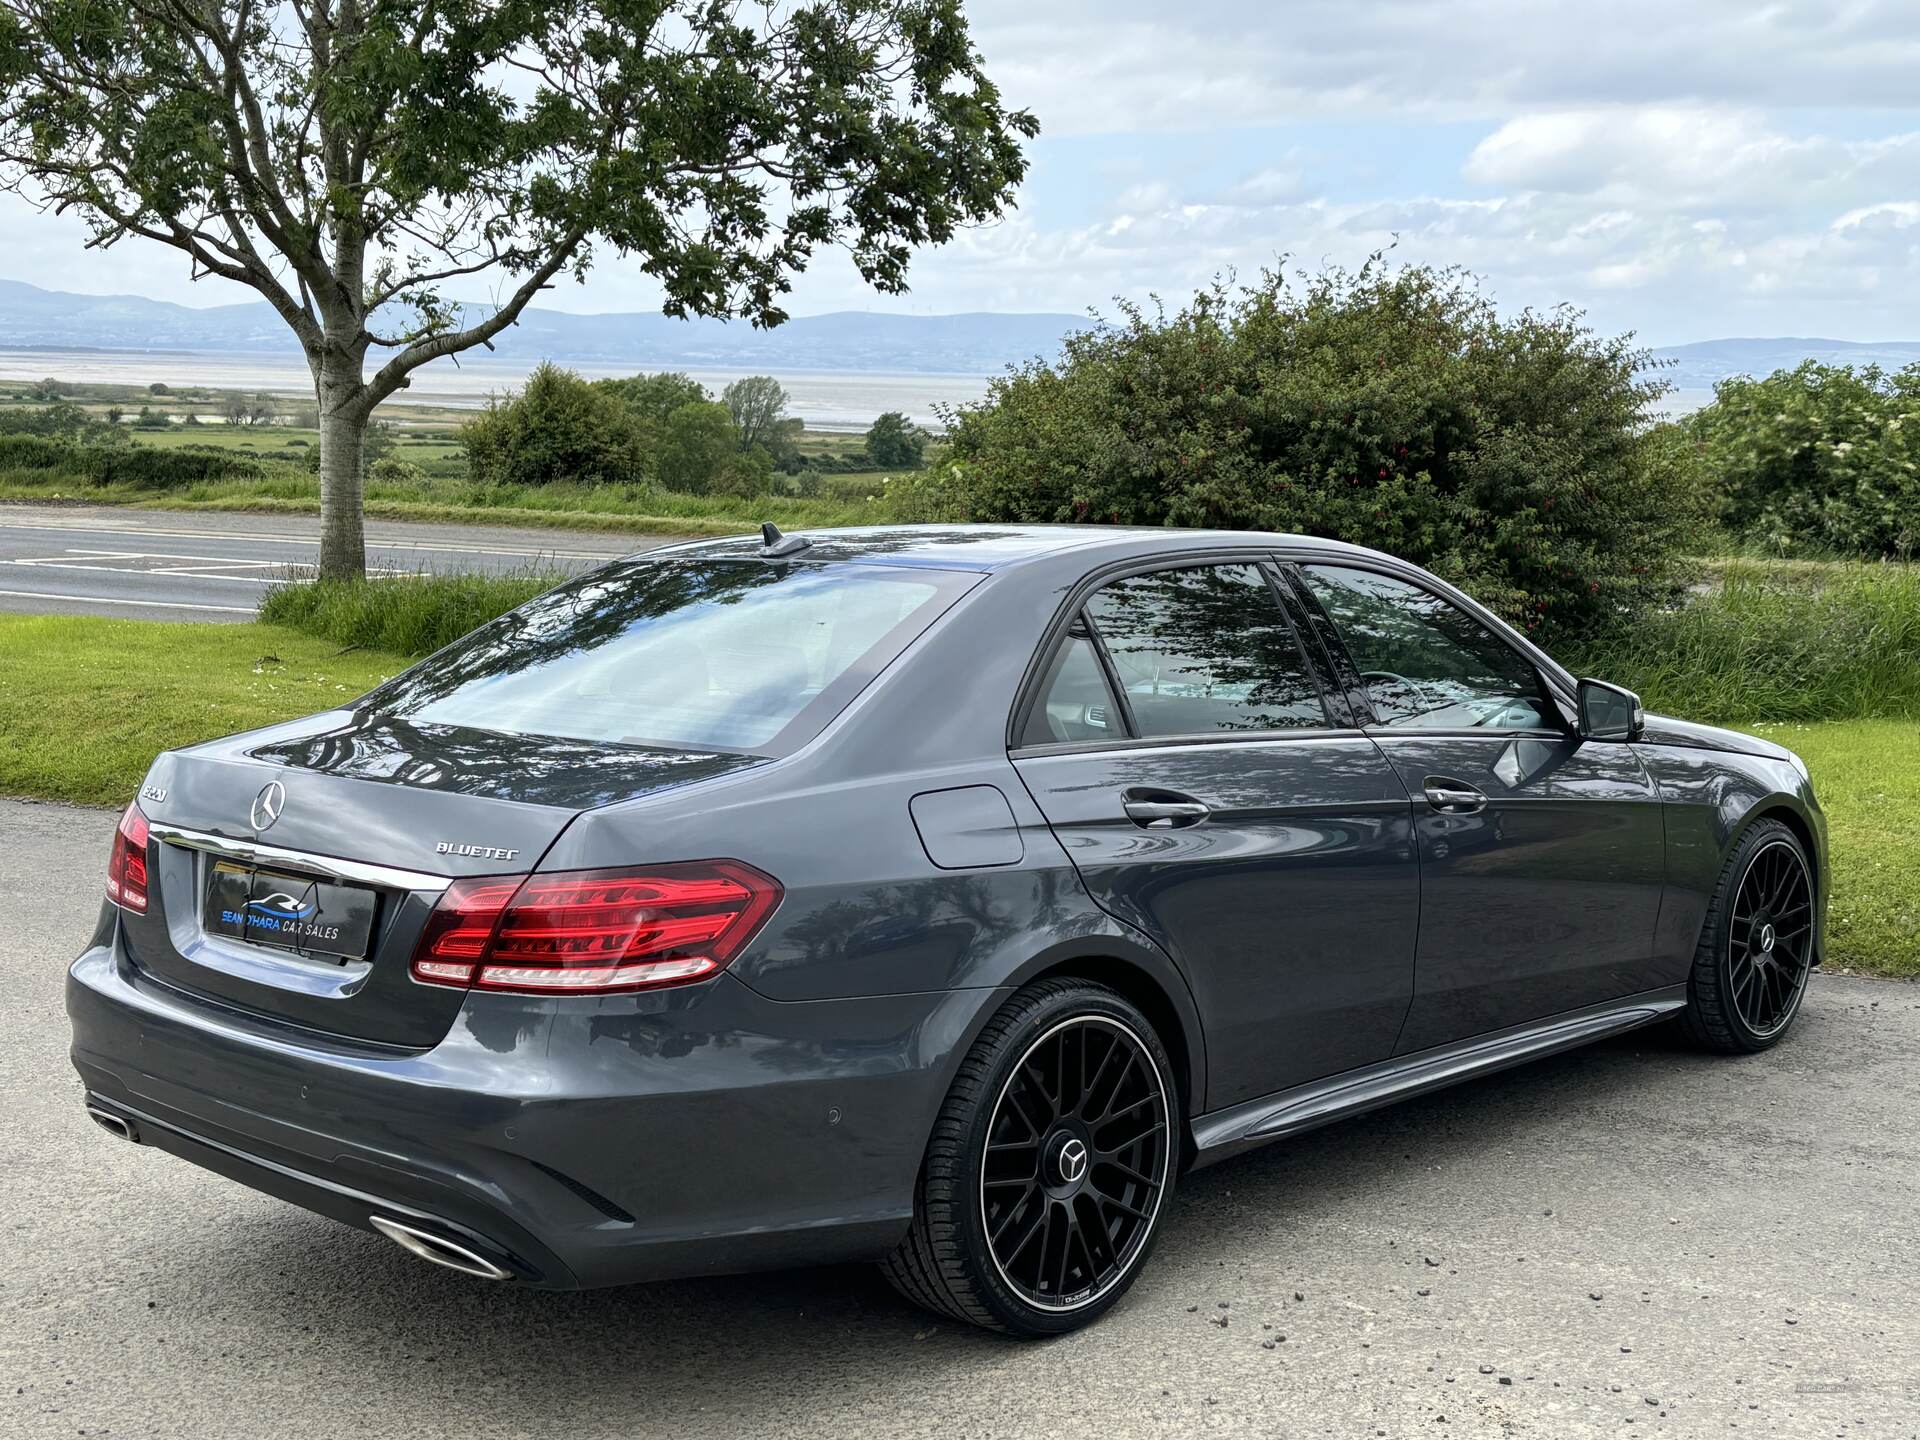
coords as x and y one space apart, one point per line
928 896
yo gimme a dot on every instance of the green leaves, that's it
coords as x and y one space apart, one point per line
1819 458
1393 408
716 145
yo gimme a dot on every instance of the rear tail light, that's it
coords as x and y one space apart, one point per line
594 931
127 865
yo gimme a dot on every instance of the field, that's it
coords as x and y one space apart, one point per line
424 438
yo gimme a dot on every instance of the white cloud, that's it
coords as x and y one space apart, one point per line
1681 157
1123 65
1691 169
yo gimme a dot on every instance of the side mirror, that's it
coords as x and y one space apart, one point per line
1609 713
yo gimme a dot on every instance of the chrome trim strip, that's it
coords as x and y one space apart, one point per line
327 867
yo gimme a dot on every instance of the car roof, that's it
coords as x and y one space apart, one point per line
986 548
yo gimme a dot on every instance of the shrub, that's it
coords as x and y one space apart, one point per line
409 615
130 465
696 443
895 443
744 475
60 417
1823 457
1392 407
559 428
392 470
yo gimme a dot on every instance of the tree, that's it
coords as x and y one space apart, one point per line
651 398
237 410
558 428
783 445
696 444
159 387
263 409
351 159
895 443
758 403
1392 407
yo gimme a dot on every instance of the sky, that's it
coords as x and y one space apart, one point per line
1684 169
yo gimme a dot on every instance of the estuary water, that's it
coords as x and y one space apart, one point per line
845 400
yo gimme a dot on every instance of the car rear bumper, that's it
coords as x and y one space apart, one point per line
569 1142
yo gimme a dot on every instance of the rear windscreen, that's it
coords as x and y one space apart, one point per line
707 655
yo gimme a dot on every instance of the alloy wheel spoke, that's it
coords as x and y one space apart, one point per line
1056 1230
1775 894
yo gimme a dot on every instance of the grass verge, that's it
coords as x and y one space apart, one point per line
619 508
406 616
86 703
1785 641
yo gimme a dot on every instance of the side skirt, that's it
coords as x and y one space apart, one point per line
1321 1102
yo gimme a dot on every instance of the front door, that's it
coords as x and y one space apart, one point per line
1180 750
1542 857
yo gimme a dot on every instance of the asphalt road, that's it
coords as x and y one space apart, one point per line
1631 1240
197 565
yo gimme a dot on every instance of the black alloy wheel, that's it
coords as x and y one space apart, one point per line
1770 940
1050 1166
1076 1162
1757 948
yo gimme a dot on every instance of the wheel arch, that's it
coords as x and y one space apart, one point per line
1150 983
1780 808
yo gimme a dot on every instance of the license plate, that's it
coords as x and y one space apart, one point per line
289 912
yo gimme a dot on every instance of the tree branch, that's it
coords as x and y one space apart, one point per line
393 375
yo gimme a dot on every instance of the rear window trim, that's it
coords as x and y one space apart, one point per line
950 587
1073 615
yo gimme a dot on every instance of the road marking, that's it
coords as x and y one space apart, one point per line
449 547
135 570
135 604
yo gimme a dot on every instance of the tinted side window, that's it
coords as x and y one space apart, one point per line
1205 649
1426 663
1075 703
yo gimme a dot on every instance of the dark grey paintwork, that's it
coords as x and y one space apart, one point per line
1325 941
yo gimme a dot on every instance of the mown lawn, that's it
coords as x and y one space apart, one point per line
85 704
1867 774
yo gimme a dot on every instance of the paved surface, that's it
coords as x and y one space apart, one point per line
199 565
1627 1241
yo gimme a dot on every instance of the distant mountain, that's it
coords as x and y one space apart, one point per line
1703 364
975 344
971 344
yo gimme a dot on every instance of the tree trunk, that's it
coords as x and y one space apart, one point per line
343 433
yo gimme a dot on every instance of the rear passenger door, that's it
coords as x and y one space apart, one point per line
1178 742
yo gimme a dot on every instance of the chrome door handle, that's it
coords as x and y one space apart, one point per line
1164 807
1453 797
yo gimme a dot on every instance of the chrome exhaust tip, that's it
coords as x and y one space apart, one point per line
116 1125
438 1249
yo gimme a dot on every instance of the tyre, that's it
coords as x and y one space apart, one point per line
1756 947
1050 1167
